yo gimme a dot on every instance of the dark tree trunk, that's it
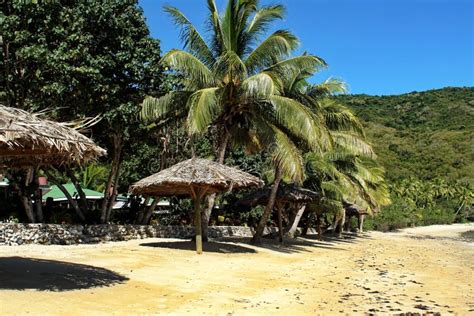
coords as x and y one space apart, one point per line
280 228
114 194
307 225
68 196
25 196
84 206
37 196
293 225
318 227
142 211
268 208
28 206
39 205
206 214
338 223
109 197
149 211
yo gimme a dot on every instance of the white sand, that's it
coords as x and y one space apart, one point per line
384 273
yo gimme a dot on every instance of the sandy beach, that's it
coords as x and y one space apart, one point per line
426 269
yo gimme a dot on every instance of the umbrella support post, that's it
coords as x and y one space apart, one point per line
197 223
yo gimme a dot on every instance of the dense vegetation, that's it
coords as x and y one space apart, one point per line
425 141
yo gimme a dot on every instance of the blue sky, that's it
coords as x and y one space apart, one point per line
376 46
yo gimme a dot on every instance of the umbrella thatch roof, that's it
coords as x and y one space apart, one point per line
353 208
198 173
27 140
286 193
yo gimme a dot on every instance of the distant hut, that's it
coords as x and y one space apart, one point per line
295 197
286 194
28 140
196 178
351 210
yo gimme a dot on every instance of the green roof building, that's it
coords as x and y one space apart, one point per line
58 195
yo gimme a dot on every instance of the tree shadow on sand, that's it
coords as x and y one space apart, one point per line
17 273
238 244
289 245
345 238
215 247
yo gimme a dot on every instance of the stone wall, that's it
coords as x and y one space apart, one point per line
50 234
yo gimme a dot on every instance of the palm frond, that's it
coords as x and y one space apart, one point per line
190 37
353 144
295 64
287 156
340 118
318 166
330 86
171 104
259 86
204 107
280 43
263 18
196 73
214 23
230 24
300 121
334 190
230 68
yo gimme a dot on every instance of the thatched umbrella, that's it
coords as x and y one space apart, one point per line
28 140
197 178
286 194
352 209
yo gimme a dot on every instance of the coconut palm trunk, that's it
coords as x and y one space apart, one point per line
279 209
112 181
293 225
268 208
149 211
206 214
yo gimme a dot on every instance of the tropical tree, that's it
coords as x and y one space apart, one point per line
232 87
82 59
347 171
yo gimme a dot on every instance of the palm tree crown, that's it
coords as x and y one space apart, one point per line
235 80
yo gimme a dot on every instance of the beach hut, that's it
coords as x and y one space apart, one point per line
196 178
27 140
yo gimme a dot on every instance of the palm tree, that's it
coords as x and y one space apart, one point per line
347 170
232 86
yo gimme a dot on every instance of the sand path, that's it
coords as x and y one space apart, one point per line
416 270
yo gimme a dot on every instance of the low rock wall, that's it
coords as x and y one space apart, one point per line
51 234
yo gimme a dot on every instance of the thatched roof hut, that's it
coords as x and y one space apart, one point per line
353 209
195 177
28 140
197 173
285 194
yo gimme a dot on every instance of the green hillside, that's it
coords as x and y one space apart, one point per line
425 135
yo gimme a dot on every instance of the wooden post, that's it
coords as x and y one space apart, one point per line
197 222
361 222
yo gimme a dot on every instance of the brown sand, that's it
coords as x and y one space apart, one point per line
417 269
